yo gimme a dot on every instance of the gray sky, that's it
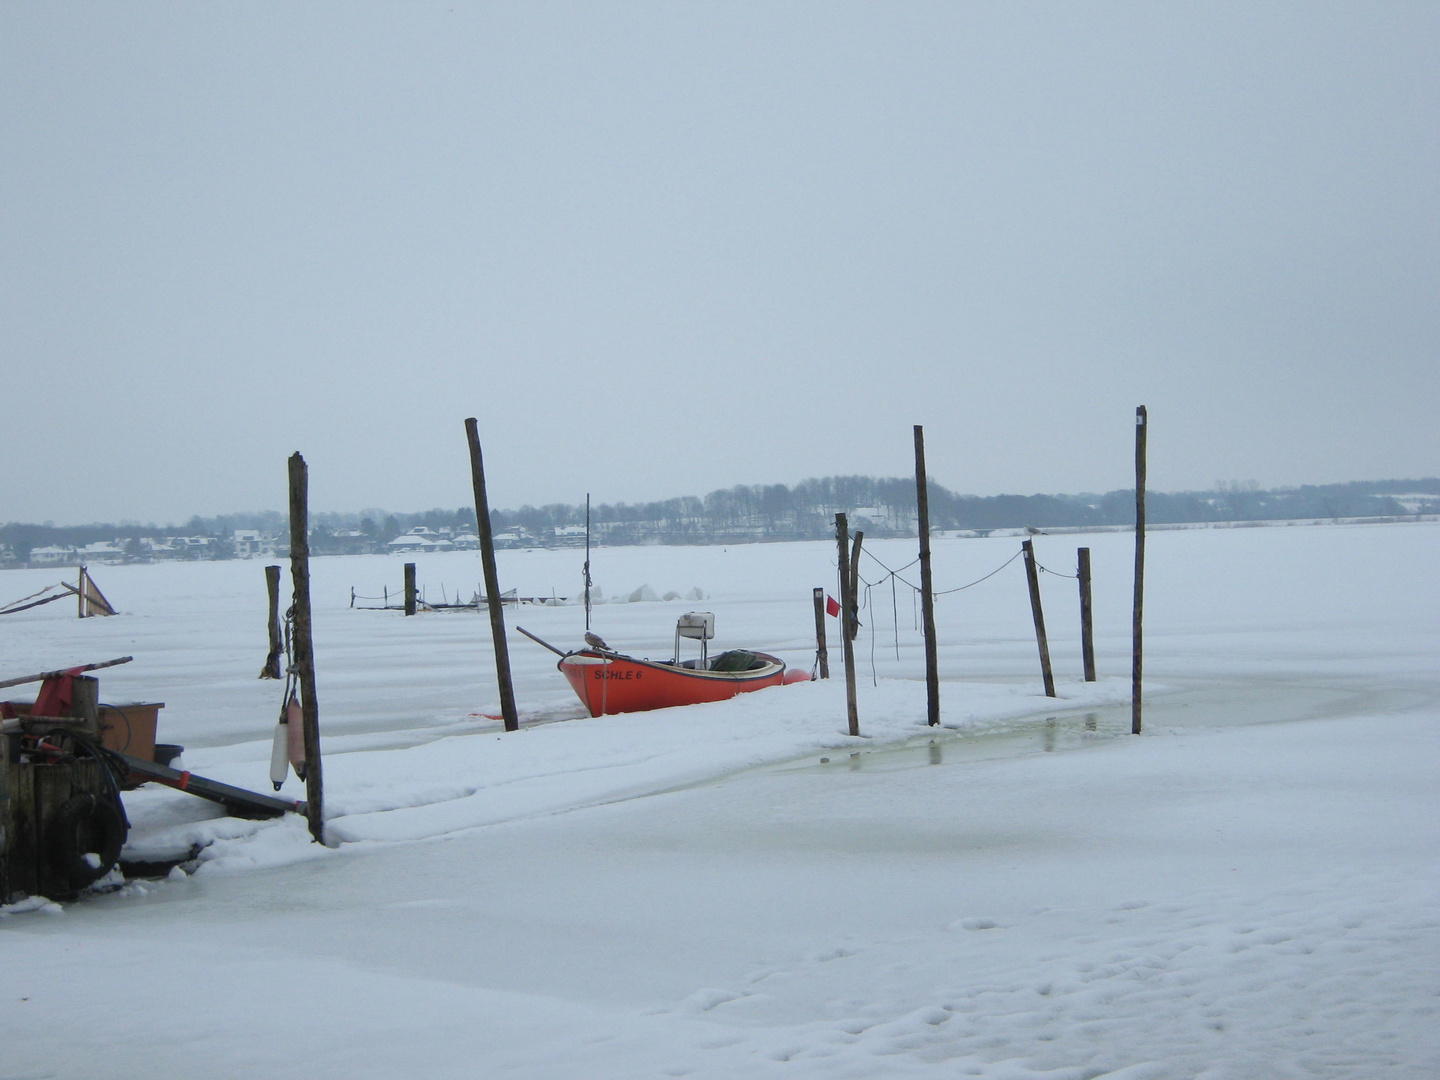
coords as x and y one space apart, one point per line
664 248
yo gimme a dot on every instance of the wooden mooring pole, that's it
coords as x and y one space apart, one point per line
1087 628
492 580
842 538
1136 648
409 588
822 653
1032 575
927 593
271 670
854 626
303 645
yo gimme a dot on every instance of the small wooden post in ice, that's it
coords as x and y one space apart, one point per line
927 593
492 580
1137 650
842 538
822 653
1087 628
271 670
409 588
1032 576
303 645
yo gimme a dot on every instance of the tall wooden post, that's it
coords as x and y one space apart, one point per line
80 594
927 593
842 538
1136 648
1032 575
303 645
822 653
1087 628
271 670
409 588
492 580
853 628
588 582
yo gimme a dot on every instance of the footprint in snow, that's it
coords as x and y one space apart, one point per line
973 924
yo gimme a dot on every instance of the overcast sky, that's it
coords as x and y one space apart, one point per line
663 248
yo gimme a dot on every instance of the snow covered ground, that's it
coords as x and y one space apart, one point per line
1249 889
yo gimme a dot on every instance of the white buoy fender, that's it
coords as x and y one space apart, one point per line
279 749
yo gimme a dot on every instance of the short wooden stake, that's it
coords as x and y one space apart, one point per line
1137 646
271 670
492 580
1087 629
1032 575
842 539
409 588
302 644
927 593
822 654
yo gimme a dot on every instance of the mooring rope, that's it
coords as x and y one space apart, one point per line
987 577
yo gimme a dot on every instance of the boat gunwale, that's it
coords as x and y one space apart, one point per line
773 665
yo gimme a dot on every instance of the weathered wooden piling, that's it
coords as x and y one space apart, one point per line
927 592
409 588
1137 616
273 631
1032 576
492 579
302 645
853 626
822 653
842 538
1087 628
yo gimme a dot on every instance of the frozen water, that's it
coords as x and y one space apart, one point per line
742 889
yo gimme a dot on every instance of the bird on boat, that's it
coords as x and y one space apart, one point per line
595 641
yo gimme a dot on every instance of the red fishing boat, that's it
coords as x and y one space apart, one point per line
610 682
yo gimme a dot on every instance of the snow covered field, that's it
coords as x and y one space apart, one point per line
1247 890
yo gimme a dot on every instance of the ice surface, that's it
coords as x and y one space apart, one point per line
1248 890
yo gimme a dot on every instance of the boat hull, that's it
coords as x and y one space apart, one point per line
609 683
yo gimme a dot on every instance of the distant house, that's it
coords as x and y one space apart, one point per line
249 544
409 542
54 556
193 547
470 542
102 551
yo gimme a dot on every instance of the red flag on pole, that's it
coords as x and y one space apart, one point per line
832 606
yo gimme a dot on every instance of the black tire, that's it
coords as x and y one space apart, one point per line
85 823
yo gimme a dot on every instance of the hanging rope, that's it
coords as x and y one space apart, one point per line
987 577
1056 573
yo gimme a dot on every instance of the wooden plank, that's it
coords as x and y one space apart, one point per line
65 671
